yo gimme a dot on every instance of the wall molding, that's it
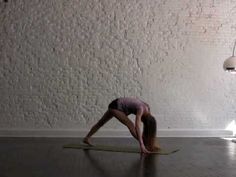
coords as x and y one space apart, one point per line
112 133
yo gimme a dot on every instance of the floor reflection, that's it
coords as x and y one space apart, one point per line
231 147
143 166
148 165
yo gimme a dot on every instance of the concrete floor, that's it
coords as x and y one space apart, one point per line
45 157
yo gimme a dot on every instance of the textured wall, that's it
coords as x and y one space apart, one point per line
63 61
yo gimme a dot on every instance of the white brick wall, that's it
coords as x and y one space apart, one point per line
63 61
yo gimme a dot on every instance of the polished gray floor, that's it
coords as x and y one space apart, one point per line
45 157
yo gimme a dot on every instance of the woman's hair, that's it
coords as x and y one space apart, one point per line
149 132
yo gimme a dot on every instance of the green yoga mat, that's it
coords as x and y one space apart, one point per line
126 149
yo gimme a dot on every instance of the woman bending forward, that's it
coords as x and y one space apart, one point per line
121 108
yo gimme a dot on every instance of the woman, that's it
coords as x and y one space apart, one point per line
121 108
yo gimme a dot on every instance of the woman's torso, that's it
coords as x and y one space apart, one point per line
130 105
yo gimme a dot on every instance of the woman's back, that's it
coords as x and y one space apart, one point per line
130 105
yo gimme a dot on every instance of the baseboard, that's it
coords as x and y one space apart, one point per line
112 133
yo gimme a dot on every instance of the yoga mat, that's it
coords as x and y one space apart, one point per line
126 149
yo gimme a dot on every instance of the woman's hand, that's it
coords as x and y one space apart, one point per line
144 150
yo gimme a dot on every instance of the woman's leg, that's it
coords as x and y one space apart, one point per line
125 120
106 117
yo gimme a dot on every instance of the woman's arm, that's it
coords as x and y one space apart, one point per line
138 132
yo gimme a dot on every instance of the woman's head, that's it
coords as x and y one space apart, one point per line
149 131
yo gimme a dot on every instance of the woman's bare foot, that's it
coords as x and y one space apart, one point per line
87 141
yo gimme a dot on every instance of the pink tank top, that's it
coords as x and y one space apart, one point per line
131 105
